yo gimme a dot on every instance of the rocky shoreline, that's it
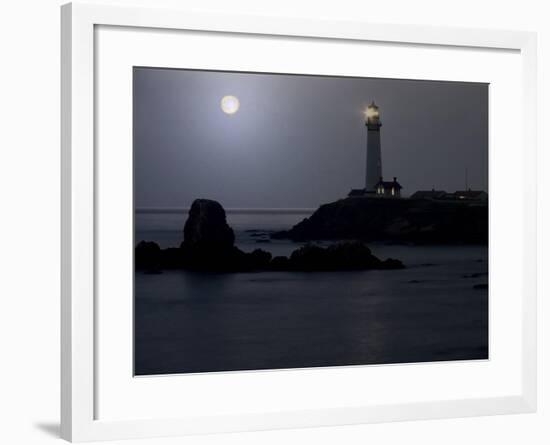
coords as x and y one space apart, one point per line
421 221
209 245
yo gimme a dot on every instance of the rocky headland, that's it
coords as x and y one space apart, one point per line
209 245
422 221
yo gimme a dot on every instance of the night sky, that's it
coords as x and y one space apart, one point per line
298 141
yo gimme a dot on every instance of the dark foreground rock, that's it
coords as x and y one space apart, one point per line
396 220
208 245
149 256
343 256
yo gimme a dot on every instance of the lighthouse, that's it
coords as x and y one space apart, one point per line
375 186
374 151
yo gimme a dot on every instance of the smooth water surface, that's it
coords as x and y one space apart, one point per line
435 309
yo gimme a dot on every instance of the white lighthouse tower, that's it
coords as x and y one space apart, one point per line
374 151
375 186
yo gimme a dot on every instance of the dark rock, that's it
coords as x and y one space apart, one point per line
173 258
148 256
309 257
280 263
208 240
233 260
392 263
211 260
206 228
395 220
341 256
259 259
209 246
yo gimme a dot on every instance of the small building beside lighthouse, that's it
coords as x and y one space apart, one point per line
375 186
388 189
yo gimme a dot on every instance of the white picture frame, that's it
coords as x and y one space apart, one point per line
79 419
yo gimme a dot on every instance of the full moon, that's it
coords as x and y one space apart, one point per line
230 104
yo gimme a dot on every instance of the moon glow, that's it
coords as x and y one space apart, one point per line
230 104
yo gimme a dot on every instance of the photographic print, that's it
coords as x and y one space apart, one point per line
298 221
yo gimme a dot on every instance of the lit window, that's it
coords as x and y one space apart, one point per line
392 191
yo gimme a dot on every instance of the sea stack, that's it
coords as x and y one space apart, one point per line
206 228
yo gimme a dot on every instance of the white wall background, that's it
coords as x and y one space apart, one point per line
29 219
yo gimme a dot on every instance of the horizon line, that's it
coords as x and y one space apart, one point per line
232 210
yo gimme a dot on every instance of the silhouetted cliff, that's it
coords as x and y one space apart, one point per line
401 220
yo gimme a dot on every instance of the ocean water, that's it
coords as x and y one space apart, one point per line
436 309
251 229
